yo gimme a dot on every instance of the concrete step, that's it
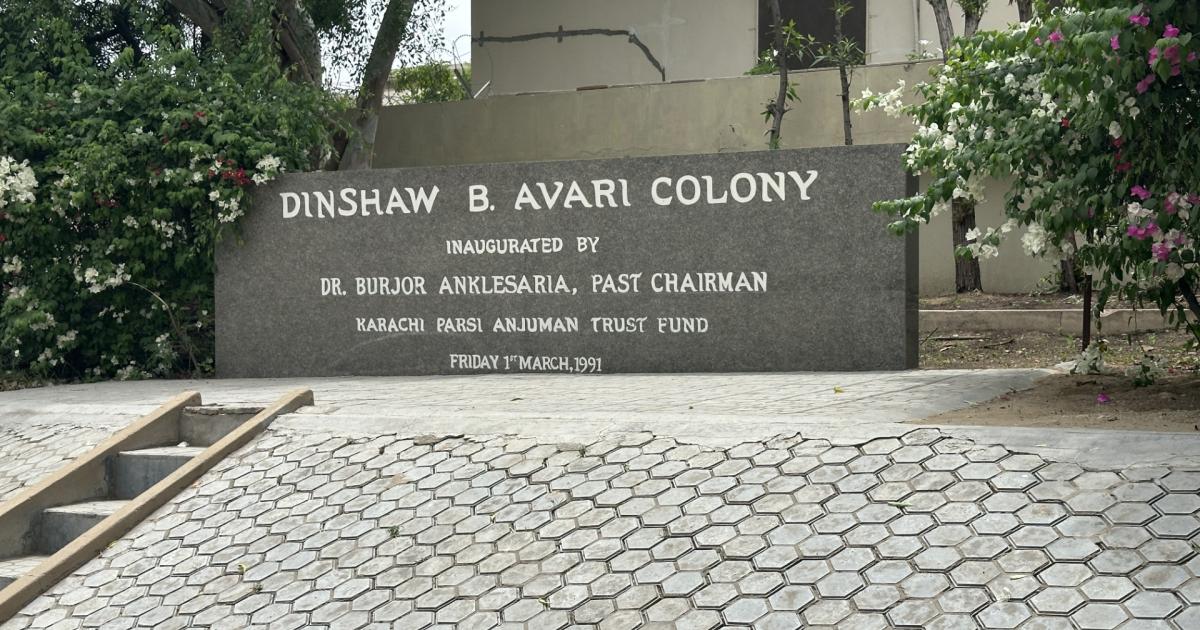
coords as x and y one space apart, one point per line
203 426
60 525
13 568
136 471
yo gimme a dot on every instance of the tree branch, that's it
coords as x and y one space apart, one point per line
203 13
124 28
297 37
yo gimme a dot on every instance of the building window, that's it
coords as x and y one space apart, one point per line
815 18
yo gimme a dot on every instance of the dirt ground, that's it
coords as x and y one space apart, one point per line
968 301
1073 401
990 349
1172 404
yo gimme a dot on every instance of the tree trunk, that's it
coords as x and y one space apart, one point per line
358 148
971 22
844 75
1025 10
941 13
966 270
1067 283
298 39
779 107
1087 314
1189 296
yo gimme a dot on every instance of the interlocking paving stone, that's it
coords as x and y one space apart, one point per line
1094 616
631 530
36 450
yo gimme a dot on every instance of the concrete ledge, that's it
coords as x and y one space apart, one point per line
1117 322
18 594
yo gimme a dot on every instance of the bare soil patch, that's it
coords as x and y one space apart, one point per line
992 349
1067 401
992 301
1075 401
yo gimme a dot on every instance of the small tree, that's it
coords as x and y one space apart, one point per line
1093 113
844 53
777 107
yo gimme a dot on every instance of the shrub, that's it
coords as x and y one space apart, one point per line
119 172
1094 114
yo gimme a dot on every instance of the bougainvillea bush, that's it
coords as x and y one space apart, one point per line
1093 114
119 172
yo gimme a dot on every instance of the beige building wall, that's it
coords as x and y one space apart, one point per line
700 117
692 39
895 28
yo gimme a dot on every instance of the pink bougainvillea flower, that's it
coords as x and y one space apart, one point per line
1170 31
1139 19
1172 53
1193 199
1144 84
1037 40
1065 122
1169 203
1176 70
1161 252
1142 233
1056 37
1115 42
1191 56
1152 56
1140 192
1103 399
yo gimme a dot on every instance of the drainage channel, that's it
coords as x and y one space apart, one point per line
55 526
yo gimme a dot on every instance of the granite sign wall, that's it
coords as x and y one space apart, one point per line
766 261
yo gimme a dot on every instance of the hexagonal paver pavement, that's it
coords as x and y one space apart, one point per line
34 451
302 530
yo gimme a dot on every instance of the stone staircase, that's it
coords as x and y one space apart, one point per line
127 474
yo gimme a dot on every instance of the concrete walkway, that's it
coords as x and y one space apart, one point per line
748 501
485 403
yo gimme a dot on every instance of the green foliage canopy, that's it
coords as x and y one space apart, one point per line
118 175
429 83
